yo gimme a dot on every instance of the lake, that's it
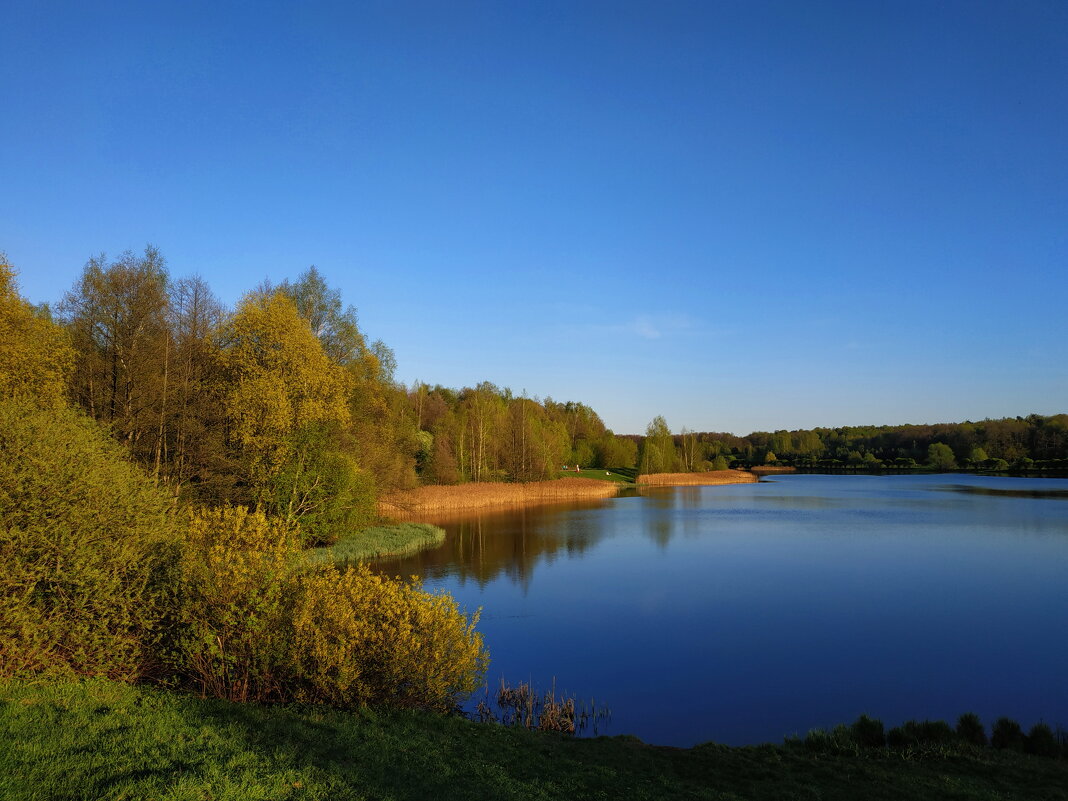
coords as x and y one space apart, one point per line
749 612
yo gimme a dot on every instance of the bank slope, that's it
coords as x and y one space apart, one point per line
104 740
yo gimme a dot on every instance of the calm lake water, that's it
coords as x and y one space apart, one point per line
746 613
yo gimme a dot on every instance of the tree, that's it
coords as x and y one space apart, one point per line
284 394
35 354
658 449
116 314
940 456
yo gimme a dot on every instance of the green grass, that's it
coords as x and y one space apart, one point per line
379 541
102 740
599 473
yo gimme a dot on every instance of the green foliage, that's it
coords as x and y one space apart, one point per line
1007 735
283 391
35 354
970 729
322 488
235 602
868 733
918 733
940 456
258 622
658 453
86 548
1041 741
361 638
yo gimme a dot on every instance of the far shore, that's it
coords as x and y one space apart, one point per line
689 479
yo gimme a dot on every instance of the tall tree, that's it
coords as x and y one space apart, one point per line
285 397
116 314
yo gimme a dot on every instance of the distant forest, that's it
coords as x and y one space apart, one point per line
282 403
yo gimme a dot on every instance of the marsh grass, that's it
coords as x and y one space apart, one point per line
376 542
711 477
485 494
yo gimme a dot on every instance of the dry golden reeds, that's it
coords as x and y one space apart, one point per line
765 469
686 479
484 494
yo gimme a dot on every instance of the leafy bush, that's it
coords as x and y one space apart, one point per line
1007 735
868 733
35 354
359 638
260 623
236 593
86 546
970 729
1041 742
915 733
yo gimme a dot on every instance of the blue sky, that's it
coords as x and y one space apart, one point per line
739 215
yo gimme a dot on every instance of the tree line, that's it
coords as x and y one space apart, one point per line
283 404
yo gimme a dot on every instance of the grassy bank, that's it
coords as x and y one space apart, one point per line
688 479
485 494
601 474
102 740
399 539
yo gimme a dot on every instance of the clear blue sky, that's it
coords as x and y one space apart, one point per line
740 215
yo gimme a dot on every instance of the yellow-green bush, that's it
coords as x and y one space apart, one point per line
361 638
258 622
86 546
236 594
35 355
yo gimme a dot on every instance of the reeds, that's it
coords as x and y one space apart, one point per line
686 479
765 469
522 706
483 494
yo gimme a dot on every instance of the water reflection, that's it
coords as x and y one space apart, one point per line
504 542
1006 492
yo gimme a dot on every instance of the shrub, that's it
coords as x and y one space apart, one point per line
970 729
35 354
868 733
1007 735
362 638
235 596
1041 742
913 733
86 548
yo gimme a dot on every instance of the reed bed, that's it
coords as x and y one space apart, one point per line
687 479
483 494
766 469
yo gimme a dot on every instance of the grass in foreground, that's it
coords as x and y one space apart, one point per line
379 541
102 740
